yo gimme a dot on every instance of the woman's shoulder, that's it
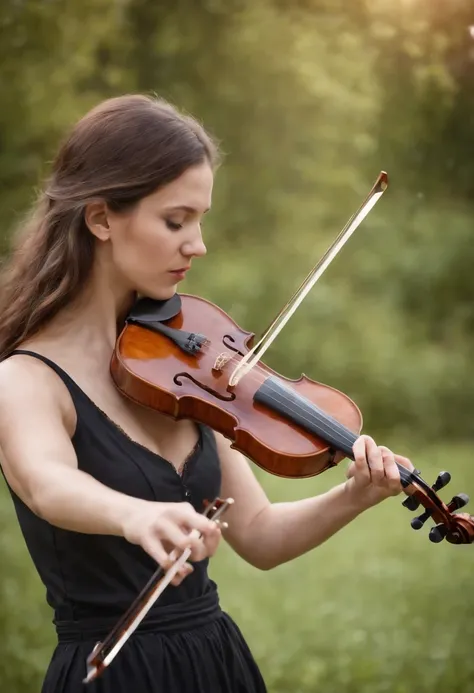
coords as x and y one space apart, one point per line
26 378
24 369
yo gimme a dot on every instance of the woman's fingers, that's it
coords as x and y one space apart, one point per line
375 471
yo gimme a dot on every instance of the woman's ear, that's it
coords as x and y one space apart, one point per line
96 218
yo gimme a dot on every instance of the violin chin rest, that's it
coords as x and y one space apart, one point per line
150 310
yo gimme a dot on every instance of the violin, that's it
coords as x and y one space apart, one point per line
177 357
186 358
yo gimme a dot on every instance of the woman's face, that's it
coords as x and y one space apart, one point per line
151 247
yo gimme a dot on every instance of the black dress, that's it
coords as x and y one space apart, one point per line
186 643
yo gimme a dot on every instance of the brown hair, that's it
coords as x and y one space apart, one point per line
121 151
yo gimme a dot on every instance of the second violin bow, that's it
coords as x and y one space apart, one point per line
104 652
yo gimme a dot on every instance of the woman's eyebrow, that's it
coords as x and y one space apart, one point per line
185 208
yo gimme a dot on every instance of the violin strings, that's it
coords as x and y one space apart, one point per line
334 426
258 375
326 423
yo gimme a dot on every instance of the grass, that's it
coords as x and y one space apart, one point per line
377 608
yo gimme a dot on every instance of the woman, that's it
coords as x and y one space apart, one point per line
103 488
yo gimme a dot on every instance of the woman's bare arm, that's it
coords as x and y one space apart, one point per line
40 464
39 460
267 535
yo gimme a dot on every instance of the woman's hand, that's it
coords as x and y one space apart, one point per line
373 475
161 527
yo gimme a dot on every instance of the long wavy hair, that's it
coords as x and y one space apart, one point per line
121 151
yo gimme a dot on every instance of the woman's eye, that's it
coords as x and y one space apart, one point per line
173 225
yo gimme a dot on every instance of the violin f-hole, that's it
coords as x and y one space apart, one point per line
231 346
225 398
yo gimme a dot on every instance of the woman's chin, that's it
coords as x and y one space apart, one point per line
162 293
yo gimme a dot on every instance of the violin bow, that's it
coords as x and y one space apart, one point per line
105 651
255 354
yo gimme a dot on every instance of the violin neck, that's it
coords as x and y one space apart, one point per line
284 401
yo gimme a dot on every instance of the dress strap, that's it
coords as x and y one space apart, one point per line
67 380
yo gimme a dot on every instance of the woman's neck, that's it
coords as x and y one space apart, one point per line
87 329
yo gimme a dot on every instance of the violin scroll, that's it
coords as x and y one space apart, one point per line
456 528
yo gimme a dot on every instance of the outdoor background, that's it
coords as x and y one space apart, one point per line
310 99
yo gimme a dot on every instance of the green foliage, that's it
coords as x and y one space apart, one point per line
310 100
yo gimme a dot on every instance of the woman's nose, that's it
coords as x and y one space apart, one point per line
194 247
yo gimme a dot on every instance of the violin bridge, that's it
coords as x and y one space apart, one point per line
221 361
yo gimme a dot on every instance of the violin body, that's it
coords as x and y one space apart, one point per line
150 368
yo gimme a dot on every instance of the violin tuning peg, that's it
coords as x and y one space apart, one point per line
442 480
437 533
460 501
411 503
418 522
